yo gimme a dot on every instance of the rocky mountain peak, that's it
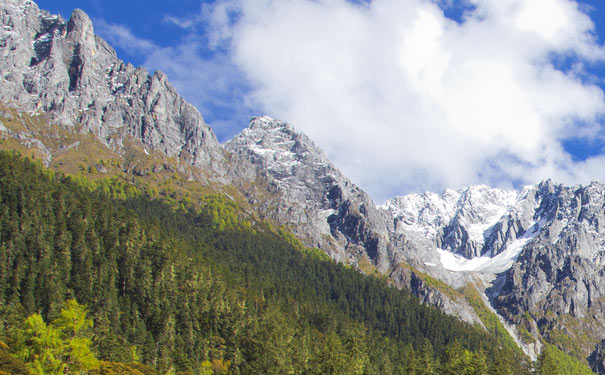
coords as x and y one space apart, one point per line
268 123
290 157
456 220
539 251
80 29
312 196
63 69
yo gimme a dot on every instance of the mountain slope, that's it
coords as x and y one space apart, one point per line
182 288
60 72
326 210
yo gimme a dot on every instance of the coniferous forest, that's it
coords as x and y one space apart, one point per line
91 284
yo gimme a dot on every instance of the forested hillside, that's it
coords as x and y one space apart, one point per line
206 291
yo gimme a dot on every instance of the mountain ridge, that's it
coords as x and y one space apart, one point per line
549 237
66 71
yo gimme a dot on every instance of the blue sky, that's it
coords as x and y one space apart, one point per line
403 96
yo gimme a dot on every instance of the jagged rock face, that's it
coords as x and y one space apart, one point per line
63 69
551 278
404 277
312 196
459 221
597 359
547 221
561 272
546 245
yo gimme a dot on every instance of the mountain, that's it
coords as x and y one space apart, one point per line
525 263
456 220
538 253
310 195
190 292
321 206
61 68
60 71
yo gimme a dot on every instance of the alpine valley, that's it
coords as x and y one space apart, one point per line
127 181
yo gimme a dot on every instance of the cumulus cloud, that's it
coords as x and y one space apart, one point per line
403 98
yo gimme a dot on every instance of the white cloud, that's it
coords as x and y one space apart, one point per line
183 23
122 37
402 98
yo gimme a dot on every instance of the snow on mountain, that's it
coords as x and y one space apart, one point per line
424 214
487 264
457 221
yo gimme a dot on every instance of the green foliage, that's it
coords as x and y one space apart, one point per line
490 319
553 361
216 367
58 347
459 361
291 239
73 325
11 365
318 254
144 369
295 243
111 186
114 368
221 213
40 346
197 290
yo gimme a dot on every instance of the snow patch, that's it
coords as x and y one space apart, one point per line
497 264
262 151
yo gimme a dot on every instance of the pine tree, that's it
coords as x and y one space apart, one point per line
424 359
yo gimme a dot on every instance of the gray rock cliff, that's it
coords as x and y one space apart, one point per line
312 196
61 68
